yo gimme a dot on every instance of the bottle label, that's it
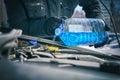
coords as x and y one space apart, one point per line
78 28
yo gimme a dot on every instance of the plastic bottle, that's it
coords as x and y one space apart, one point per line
81 31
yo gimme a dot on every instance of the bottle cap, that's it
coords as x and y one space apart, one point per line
57 31
33 42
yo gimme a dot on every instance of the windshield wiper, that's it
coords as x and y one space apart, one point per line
107 66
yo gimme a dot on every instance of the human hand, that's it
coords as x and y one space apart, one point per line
51 24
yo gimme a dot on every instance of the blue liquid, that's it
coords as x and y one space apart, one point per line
74 39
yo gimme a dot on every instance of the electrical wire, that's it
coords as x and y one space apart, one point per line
112 20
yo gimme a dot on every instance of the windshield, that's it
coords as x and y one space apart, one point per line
29 17
82 33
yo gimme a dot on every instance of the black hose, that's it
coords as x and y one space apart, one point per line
112 20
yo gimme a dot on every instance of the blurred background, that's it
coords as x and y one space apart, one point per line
113 6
